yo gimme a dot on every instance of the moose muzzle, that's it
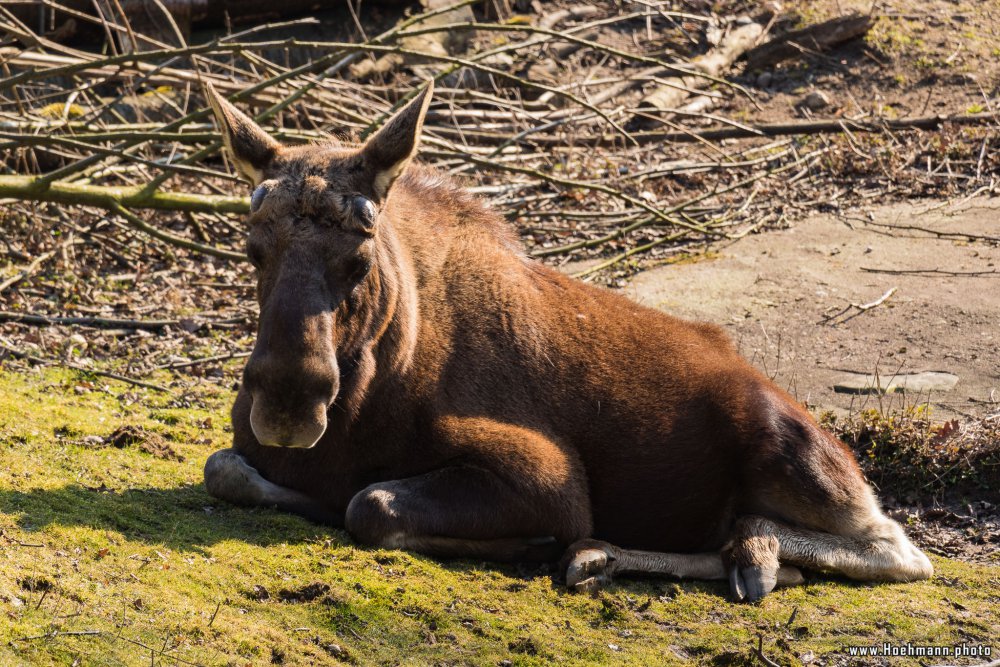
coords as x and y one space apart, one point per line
274 426
293 378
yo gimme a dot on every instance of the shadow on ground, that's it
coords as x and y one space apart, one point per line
186 518
183 517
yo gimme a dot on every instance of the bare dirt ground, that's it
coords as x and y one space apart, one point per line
773 291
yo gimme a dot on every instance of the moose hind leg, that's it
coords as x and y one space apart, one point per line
590 565
751 558
463 511
229 477
882 552
806 492
878 551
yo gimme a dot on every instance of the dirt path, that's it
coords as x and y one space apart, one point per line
772 291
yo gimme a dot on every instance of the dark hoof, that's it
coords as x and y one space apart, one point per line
589 566
751 584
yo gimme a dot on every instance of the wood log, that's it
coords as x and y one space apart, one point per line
818 37
667 97
442 43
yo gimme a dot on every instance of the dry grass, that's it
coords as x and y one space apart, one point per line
906 453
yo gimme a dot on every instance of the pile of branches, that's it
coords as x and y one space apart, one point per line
590 126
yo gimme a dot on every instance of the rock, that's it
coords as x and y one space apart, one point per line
929 381
816 100
74 344
764 79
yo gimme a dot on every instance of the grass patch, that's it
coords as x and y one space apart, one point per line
115 555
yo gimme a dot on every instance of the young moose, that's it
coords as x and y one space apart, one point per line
421 382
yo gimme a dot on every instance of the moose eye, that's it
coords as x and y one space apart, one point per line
364 211
261 191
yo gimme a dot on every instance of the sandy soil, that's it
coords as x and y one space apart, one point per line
772 292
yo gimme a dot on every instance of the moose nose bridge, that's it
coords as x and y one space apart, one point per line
291 386
292 358
295 350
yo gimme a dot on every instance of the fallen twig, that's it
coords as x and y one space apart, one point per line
759 652
862 308
932 272
204 360
60 633
817 37
83 369
99 322
26 271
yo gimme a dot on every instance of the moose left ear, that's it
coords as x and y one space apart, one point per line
390 150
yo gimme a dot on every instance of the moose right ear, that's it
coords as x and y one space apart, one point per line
250 147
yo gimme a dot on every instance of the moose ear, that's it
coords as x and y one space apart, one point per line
390 150
250 147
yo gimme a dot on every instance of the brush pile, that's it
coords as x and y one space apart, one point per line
613 135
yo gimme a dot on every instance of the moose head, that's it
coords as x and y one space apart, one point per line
317 237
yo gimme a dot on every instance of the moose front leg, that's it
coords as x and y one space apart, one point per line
229 477
514 497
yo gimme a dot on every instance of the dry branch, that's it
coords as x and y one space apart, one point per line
818 37
5 350
669 95
33 188
796 128
101 322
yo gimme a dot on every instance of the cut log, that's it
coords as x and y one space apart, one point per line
444 43
818 37
667 97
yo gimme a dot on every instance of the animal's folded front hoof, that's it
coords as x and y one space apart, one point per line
589 566
751 584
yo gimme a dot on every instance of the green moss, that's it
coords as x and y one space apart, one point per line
132 550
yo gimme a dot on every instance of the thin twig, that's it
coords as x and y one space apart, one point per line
83 369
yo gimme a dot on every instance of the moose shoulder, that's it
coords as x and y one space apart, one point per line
421 382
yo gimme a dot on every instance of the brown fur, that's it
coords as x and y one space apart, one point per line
472 395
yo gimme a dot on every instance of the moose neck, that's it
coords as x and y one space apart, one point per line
377 327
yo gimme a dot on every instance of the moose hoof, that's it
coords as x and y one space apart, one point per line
751 584
229 477
589 566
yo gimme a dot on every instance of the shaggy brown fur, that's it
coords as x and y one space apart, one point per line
418 379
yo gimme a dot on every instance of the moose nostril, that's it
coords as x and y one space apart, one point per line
280 428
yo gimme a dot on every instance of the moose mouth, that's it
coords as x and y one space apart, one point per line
300 428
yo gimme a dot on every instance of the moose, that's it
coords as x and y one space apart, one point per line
419 381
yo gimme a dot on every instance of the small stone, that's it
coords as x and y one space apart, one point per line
816 100
74 344
764 79
190 325
905 382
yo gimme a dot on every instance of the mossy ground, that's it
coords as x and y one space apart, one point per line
129 552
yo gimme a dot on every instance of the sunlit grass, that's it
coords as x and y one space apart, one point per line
129 552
